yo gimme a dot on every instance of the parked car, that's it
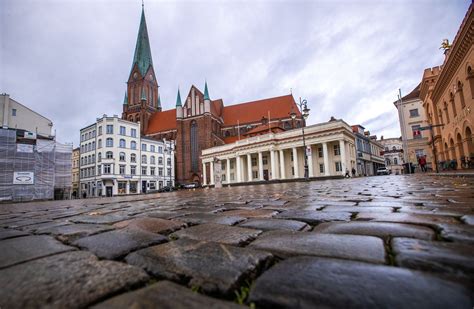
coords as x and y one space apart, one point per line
383 171
191 185
166 189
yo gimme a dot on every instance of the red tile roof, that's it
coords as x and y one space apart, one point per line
231 139
251 112
263 128
162 121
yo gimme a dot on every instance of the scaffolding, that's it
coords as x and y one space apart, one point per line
47 161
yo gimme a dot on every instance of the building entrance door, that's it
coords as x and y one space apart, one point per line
265 174
108 191
144 186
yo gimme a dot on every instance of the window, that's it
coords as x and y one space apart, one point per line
122 143
194 147
13 112
100 130
109 142
168 161
416 131
122 187
107 168
152 185
169 172
122 130
320 152
414 113
160 149
419 153
395 161
133 145
338 167
93 158
99 157
99 143
109 155
143 159
98 170
264 160
122 169
337 150
122 156
152 148
93 145
133 158
110 129
143 147
160 161
133 170
133 132
152 160
254 175
152 171
254 162
321 168
160 171
143 170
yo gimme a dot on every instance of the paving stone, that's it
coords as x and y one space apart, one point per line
152 225
330 283
202 218
457 232
18 250
251 213
100 219
357 209
434 256
25 222
115 244
69 233
67 280
168 295
430 220
275 224
37 227
286 244
231 235
9 233
314 217
215 268
446 211
166 214
379 229
469 219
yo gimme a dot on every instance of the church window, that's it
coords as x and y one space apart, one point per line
194 147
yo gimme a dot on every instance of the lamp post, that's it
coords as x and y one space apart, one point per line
303 106
168 150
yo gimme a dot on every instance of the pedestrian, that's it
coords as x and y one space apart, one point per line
422 162
347 174
353 172
84 194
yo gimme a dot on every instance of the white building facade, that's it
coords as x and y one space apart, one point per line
393 154
116 160
278 156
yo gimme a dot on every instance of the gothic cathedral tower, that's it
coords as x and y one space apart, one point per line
142 97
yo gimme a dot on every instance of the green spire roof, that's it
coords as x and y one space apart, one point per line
143 94
158 103
125 99
142 55
178 99
206 92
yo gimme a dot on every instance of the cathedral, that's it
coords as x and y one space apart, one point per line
198 122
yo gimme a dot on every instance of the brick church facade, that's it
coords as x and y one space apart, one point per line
197 122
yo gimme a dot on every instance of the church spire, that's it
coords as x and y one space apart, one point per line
206 92
125 99
158 103
142 56
178 99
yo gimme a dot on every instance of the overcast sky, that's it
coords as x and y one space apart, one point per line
69 59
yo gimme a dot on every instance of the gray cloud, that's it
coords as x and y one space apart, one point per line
69 60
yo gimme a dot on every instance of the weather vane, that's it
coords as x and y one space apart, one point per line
445 45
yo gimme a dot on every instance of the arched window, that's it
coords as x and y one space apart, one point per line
122 156
133 145
470 78
168 161
194 147
109 142
446 112
453 103
160 160
395 161
133 158
394 148
93 158
99 157
143 159
99 143
122 143
461 94
93 145
152 160
109 155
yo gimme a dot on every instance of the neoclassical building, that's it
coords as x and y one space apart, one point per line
198 122
447 92
393 154
330 147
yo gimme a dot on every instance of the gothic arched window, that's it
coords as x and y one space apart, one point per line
194 147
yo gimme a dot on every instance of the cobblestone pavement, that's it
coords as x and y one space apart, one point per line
387 241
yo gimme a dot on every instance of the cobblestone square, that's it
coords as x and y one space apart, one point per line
384 241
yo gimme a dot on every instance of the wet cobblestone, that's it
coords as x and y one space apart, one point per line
387 241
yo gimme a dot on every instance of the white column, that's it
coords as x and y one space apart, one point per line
249 167
260 165
238 168
295 162
273 164
342 146
204 174
310 163
326 159
282 165
211 173
127 188
227 175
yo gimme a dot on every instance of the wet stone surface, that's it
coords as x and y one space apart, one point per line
371 242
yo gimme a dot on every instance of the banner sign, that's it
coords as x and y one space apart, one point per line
23 178
24 148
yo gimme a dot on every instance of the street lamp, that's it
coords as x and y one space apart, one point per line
303 106
168 150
